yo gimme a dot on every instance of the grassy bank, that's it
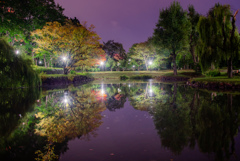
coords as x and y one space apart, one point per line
223 79
153 74
69 76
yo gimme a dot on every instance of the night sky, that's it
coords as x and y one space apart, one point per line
130 21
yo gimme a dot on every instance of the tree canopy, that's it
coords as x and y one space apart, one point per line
172 31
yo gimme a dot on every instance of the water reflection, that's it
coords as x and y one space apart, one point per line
40 127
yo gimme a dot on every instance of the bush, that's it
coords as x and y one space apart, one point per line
124 77
95 69
72 72
213 73
48 70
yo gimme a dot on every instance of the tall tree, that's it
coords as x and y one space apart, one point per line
172 31
219 39
193 17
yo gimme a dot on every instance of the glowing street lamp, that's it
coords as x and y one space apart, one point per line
40 62
64 58
101 63
17 52
150 62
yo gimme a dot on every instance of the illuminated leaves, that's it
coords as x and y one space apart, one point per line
79 43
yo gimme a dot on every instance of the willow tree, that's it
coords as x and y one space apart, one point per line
219 39
193 18
172 31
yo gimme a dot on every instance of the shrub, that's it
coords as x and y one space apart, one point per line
213 73
72 72
124 77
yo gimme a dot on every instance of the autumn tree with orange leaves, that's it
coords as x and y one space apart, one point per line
78 43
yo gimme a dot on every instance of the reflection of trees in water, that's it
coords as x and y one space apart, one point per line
189 116
144 96
116 96
182 116
15 107
57 117
77 115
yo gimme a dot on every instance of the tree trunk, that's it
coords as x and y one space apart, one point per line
111 69
138 68
45 63
51 62
230 70
192 50
212 66
174 64
64 70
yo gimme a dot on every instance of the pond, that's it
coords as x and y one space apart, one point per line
119 121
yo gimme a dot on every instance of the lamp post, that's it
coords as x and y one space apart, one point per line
102 63
150 63
133 67
64 58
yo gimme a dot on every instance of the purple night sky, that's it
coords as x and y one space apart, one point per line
130 21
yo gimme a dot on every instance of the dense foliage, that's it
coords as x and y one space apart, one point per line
15 70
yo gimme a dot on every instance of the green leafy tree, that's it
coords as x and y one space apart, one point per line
111 48
19 18
219 39
172 31
15 70
142 53
110 63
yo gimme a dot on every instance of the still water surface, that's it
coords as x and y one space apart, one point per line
127 121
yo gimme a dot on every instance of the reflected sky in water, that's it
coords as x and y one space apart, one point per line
120 121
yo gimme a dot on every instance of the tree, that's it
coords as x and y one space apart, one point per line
142 53
172 31
78 43
112 48
15 70
193 17
19 18
110 63
219 39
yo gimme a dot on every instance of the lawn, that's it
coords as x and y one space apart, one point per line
117 74
224 79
